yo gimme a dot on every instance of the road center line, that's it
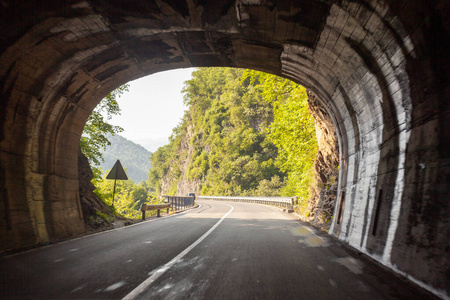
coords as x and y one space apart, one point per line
144 285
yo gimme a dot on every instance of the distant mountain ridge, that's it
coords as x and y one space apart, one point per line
152 144
133 157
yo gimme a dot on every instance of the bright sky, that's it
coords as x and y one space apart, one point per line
152 108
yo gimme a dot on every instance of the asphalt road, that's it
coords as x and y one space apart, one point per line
220 250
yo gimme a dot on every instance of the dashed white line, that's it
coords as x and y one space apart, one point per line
115 286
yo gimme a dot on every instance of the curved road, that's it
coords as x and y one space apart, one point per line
220 250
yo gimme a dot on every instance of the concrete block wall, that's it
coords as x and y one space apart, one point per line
380 69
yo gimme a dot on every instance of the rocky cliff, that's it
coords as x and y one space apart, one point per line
183 184
323 197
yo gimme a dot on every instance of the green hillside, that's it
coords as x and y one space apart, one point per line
244 133
134 157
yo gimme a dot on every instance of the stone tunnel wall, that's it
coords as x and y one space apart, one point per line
380 69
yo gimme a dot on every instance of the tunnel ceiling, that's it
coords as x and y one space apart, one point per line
379 68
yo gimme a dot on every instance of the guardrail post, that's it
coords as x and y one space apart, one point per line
158 215
143 208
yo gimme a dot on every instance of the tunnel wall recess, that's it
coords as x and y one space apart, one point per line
380 69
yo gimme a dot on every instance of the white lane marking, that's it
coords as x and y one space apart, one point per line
78 288
115 286
58 260
75 249
144 285
350 263
148 242
332 283
166 287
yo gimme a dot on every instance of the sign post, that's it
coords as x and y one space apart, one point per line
117 172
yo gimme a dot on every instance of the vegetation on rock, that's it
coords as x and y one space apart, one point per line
94 138
244 133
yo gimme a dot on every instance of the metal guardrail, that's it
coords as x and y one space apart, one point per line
287 202
180 202
157 207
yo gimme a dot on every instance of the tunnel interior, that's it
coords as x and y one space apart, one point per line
377 67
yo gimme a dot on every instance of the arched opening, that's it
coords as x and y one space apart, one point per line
374 67
227 143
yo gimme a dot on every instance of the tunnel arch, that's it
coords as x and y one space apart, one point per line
378 68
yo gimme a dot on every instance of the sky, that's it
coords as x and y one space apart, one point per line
152 107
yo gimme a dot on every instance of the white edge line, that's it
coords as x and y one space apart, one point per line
144 285
97 233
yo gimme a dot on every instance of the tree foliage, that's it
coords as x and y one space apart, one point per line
94 138
128 197
292 131
96 134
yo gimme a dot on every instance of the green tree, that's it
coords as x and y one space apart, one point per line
128 197
292 130
97 128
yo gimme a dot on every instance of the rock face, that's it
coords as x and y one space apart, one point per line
323 197
184 186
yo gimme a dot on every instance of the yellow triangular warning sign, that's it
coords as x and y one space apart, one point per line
117 172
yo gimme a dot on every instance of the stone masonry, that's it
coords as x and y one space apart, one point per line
380 69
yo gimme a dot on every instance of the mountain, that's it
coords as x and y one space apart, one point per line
133 157
152 144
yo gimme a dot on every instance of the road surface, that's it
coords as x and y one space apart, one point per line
221 250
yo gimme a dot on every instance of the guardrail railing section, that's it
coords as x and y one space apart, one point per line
285 202
180 202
